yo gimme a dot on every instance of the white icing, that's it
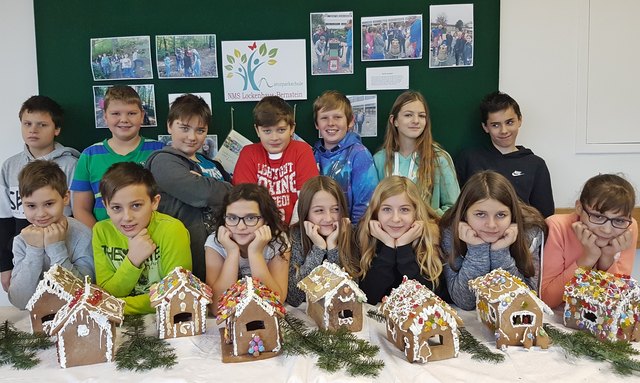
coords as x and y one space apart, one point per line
345 321
83 330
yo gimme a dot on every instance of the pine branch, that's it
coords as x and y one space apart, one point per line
478 351
581 343
335 349
375 315
141 352
18 348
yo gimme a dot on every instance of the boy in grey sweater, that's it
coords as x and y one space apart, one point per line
51 238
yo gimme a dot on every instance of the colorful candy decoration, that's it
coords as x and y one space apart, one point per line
256 346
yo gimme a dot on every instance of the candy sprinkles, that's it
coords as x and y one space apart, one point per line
604 304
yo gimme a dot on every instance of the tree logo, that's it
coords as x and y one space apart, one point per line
238 64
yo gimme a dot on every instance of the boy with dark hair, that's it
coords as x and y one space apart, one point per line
192 185
340 153
123 114
41 119
136 246
51 238
277 163
528 173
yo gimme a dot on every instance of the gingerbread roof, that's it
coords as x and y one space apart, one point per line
102 307
57 281
178 280
500 286
325 280
413 306
600 288
244 291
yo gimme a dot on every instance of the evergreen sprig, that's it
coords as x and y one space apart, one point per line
141 352
375 315
581 343
18 348
478 351
335 349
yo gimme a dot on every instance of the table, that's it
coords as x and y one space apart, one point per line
199 360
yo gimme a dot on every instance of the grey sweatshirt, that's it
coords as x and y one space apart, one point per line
302 264
479 261
12 219
74 254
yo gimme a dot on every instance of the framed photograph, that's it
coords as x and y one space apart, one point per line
147 96
121 58
451 36
365 113
331 43
186 56
209 148
391 37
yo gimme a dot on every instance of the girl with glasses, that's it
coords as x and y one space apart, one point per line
601 234
249 240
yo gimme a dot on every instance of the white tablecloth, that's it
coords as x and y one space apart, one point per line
199 360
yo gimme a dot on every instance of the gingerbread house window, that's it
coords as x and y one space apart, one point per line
182 317
48 317
436 340
255 325
523 319
492 313
345 314
589 315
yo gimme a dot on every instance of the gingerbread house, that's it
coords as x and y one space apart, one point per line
54 290
250 312
333 298
603 304
420 323
511 309
86 327
181 301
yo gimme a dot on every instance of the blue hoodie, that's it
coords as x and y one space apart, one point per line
351 165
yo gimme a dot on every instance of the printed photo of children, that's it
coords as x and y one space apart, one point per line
331 43
451 36
391 37
365 114
121 58
186 56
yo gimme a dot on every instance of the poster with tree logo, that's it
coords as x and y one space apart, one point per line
253 69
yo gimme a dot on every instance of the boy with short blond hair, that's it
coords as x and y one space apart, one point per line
280 164
41 120
124 115
340 153
137 246
51 238
192 185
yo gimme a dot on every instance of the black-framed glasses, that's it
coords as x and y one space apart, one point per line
249 220
599 219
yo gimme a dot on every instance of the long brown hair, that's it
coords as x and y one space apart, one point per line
346 249
426 148
489 185
426 247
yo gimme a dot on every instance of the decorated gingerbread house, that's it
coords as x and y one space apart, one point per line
54 290
333 298
250 312
420 323
603 304
511 309
181 301
86 327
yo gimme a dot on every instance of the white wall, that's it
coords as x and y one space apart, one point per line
18 75
539 68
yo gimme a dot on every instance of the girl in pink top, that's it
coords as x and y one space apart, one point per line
601 234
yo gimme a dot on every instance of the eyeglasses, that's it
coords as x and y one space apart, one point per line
249 220
599 219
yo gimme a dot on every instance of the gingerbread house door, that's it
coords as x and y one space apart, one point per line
345 311
436 345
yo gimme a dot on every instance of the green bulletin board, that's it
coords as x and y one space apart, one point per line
64 29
